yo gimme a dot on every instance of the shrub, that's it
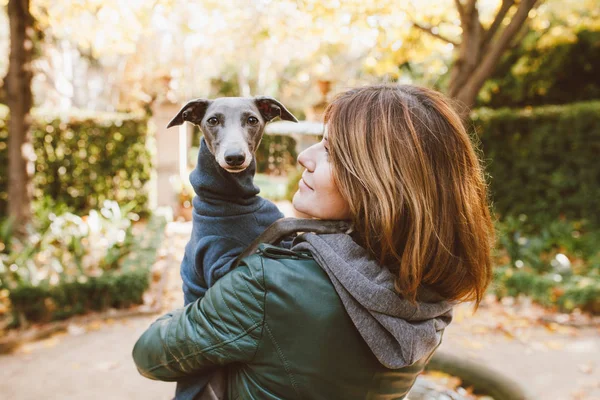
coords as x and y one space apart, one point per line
84 159
537 248
558 265
542 162
79 264
536 74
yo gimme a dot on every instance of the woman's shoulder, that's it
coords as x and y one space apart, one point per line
280 265
293 282
267 253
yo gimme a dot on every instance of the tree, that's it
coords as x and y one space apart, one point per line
424 31
175 49
480 48
557 62
19 100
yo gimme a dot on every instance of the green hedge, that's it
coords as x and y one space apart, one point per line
543 162
84 159
276 155
76 295
47 303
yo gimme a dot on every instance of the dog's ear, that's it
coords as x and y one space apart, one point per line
271 108
192 112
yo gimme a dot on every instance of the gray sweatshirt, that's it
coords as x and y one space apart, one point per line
397 332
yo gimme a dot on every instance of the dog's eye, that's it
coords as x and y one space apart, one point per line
252 120
212 121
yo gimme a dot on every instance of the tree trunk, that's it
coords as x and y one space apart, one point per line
19 100
469 51
479 51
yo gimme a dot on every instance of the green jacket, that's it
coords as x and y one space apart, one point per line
279 327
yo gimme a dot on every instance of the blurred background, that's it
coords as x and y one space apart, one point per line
95 199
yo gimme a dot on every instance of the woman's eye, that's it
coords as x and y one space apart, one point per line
212 121
324 141
252 120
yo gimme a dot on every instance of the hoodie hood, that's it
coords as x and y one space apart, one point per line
220 193
397 332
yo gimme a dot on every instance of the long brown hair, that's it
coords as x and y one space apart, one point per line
405 164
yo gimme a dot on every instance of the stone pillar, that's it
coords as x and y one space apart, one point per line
170 160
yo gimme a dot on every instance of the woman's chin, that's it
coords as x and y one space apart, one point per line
297 203
299 210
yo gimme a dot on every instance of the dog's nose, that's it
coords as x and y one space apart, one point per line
235 158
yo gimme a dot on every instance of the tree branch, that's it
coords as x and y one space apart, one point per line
493 54
470 7
515 24
506 5
460 8
521 35
429 30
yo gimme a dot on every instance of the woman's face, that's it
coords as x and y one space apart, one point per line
317 194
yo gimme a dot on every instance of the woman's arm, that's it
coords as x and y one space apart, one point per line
225 326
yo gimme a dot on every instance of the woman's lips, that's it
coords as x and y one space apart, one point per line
303 183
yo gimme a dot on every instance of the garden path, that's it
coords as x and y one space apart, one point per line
94 361
555 362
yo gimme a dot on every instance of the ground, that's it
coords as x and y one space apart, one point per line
94 361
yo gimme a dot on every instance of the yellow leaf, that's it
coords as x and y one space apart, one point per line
480 329
94 326
554 345
53 341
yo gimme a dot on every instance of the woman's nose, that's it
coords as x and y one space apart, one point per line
305 160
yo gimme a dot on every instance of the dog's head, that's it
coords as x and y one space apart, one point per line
232 126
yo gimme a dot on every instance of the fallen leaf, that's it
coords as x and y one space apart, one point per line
586 368
554 345
94 325
75 330
507 333
53 341
480 329
25 349
107 365
459 316
551 327
579 395
473 344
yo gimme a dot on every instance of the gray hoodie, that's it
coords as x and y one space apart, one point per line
397 332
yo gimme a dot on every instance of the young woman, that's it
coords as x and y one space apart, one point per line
348 315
